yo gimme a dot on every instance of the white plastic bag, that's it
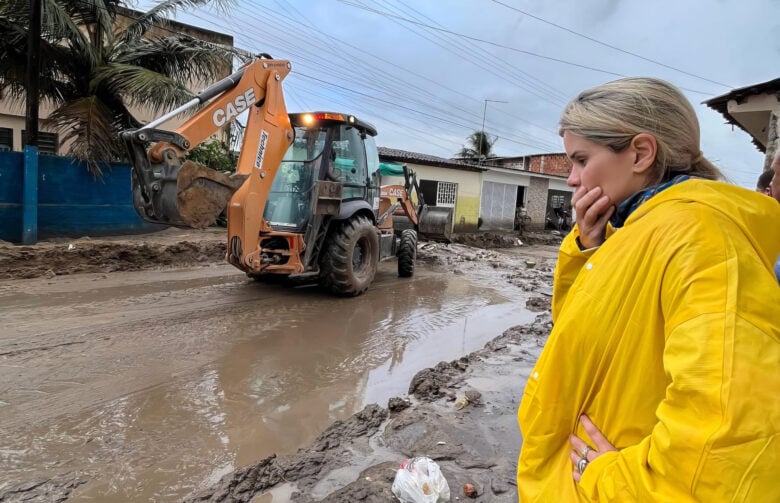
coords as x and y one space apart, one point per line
420 480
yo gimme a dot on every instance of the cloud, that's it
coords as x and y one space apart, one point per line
424 89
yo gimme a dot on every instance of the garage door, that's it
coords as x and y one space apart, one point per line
497 207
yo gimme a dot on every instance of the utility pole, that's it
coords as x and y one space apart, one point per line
484 115
32 77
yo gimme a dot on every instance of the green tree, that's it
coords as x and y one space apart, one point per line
214 154
479 146
93 69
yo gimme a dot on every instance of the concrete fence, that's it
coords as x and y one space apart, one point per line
71 202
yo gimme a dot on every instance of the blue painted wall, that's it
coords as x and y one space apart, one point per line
71 203
11 174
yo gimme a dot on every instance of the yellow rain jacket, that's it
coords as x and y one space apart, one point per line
668 338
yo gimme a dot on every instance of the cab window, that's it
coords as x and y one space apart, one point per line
349 161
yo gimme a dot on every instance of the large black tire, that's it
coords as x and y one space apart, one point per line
407 253
349 258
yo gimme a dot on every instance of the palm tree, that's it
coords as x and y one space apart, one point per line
479 146
92 70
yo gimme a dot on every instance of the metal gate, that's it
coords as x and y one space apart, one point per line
497 206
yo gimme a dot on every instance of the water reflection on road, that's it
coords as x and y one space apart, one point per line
293 362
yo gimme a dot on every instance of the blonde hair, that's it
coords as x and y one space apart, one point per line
612 114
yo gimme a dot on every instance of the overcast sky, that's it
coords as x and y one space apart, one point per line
424 89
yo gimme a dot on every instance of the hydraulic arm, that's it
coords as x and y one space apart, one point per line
171 191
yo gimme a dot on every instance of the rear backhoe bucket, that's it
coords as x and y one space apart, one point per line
435 223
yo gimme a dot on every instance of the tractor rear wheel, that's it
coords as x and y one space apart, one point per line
407 253
349 258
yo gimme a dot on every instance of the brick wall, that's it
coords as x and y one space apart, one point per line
551 164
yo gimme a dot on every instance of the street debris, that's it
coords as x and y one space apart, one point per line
397 404
470 491
420 480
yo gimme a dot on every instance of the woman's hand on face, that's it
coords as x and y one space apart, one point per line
593 212
581 449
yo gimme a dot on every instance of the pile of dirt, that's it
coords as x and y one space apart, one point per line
178 248
449 254
534 274
472 435
537 304
542 238
307 464
85 255
489 240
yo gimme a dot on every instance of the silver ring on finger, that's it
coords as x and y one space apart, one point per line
585 451
582 463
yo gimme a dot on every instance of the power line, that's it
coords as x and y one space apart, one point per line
403 128
441 119
610 45
535 142
369 83
540 144
502 46
476 39
447 46
405 72
412 72
525 76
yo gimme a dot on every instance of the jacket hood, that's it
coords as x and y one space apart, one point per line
758 215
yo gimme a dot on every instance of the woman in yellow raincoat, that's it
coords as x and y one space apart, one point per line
661 378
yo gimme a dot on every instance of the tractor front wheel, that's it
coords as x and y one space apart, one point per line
349 258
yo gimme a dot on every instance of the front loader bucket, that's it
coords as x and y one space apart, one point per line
167 191
203 193
435 223
190 196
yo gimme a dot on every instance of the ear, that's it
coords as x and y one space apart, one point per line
644 147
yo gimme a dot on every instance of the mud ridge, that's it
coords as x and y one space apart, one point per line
468 436
244 483
166 249
84 256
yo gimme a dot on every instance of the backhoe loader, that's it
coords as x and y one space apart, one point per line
305 201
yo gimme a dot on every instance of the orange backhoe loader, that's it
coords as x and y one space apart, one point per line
305 200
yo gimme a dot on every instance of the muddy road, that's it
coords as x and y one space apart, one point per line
151 385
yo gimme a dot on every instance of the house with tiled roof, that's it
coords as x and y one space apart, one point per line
489 196
535 182
444 182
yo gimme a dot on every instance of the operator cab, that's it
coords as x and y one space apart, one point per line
327 146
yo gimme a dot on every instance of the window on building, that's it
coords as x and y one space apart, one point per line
48 143
446 194
558 201
436 193
6 139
